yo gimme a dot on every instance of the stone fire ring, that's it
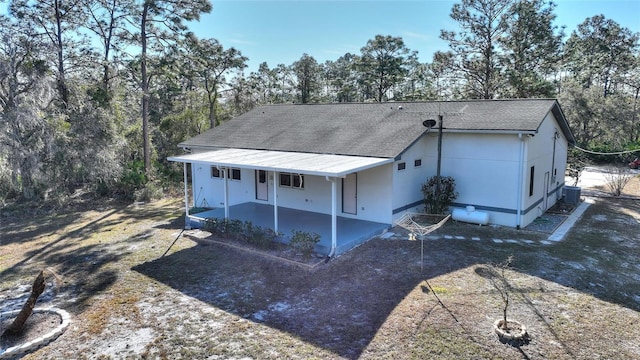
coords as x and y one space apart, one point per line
42 340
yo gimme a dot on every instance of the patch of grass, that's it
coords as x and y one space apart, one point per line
102 311
439 289
445 343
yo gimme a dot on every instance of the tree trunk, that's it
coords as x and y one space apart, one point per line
504 318
146 146
61 79
36 290
213 110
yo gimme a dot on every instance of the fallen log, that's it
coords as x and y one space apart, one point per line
36 290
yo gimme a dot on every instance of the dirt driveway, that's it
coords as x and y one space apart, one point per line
593 180
134 293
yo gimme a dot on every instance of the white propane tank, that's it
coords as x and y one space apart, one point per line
470 215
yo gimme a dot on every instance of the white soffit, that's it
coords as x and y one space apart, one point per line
282 161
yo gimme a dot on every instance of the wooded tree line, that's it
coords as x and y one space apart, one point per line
96 94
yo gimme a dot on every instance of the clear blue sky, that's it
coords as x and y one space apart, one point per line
279 32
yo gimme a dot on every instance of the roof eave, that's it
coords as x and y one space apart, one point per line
221 161
495 131
562 121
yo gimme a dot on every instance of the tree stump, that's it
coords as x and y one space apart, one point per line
36 290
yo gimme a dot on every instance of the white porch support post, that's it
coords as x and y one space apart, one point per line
275 201
334 215
226 192
187 225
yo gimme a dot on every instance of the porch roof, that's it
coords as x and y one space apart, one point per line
285 161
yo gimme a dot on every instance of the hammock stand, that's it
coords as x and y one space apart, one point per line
407 221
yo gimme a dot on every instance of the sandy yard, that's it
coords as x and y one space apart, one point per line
136 289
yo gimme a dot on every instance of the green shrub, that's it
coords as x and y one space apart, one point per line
148 192
260 237
254 235
213 226
233 228
225 228
304 242
133 176
438 203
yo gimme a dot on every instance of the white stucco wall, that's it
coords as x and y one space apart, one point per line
315 196
373 198
209 191
407 183
541 155
486 167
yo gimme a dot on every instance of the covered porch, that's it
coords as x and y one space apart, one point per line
350 232
338 234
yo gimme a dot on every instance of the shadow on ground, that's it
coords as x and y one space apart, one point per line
338 306
342 305
79 245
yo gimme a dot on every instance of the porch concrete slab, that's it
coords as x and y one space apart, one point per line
350 232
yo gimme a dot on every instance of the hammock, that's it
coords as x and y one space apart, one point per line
407 222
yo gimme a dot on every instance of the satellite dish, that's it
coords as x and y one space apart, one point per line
429 123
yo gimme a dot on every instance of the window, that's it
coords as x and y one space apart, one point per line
402 166
531 177
285 179
417 162
295 181
235 174
217 173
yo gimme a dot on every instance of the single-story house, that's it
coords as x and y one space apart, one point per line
364 164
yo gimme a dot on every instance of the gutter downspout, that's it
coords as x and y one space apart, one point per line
334 217
553 159
520 171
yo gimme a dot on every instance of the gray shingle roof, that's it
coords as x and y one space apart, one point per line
370 129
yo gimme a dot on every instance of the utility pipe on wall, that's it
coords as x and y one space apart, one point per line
520 177
440 118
